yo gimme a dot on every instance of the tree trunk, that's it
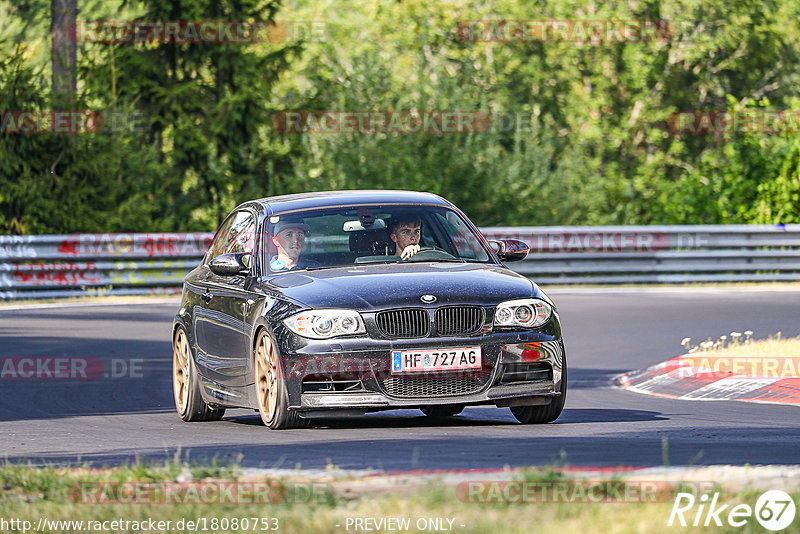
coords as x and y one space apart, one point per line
63 14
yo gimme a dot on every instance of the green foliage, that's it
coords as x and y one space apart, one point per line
597 148
205 104
579 131
779 198
70 182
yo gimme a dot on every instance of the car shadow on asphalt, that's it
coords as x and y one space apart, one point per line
471 417
607 415
386 420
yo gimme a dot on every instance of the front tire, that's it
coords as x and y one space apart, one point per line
270 384
546 413
185 383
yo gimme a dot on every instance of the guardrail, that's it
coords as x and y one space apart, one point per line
53 266
657 254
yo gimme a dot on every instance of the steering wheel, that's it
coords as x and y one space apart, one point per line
431 253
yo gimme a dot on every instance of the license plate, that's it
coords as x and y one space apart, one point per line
409 361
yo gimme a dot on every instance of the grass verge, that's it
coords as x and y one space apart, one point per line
773 357
766 348
316 506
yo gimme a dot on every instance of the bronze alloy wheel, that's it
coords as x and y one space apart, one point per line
180 371
266 379
185 384
273 400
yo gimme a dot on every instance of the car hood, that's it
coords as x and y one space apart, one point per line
375 287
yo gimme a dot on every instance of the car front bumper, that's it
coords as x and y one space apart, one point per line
355 375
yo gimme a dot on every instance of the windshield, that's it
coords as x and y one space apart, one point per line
361 235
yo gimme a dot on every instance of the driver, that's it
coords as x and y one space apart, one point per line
405 232
289 238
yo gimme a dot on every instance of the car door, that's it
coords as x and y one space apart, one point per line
222 336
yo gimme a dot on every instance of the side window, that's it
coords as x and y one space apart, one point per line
241 236
463 239
218 245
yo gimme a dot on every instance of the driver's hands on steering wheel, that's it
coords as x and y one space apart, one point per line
409 251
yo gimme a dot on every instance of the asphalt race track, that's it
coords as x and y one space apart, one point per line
116 419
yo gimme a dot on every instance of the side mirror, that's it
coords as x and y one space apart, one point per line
509 249
231 264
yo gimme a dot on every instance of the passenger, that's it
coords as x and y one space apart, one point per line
289 238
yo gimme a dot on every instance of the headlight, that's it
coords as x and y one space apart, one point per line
324 324
526 313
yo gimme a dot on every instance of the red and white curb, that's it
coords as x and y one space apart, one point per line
711 377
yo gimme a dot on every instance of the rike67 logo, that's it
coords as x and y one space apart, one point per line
774 510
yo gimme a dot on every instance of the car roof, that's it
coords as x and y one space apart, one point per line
324 199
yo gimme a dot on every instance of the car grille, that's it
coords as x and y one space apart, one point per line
450 321
433 387
459 320
403 323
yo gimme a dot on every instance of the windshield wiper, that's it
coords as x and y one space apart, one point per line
320 267
437 260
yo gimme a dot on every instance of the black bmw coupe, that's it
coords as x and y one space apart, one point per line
347 302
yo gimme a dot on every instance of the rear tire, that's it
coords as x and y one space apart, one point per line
546 413
448 410
186 385
270 384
